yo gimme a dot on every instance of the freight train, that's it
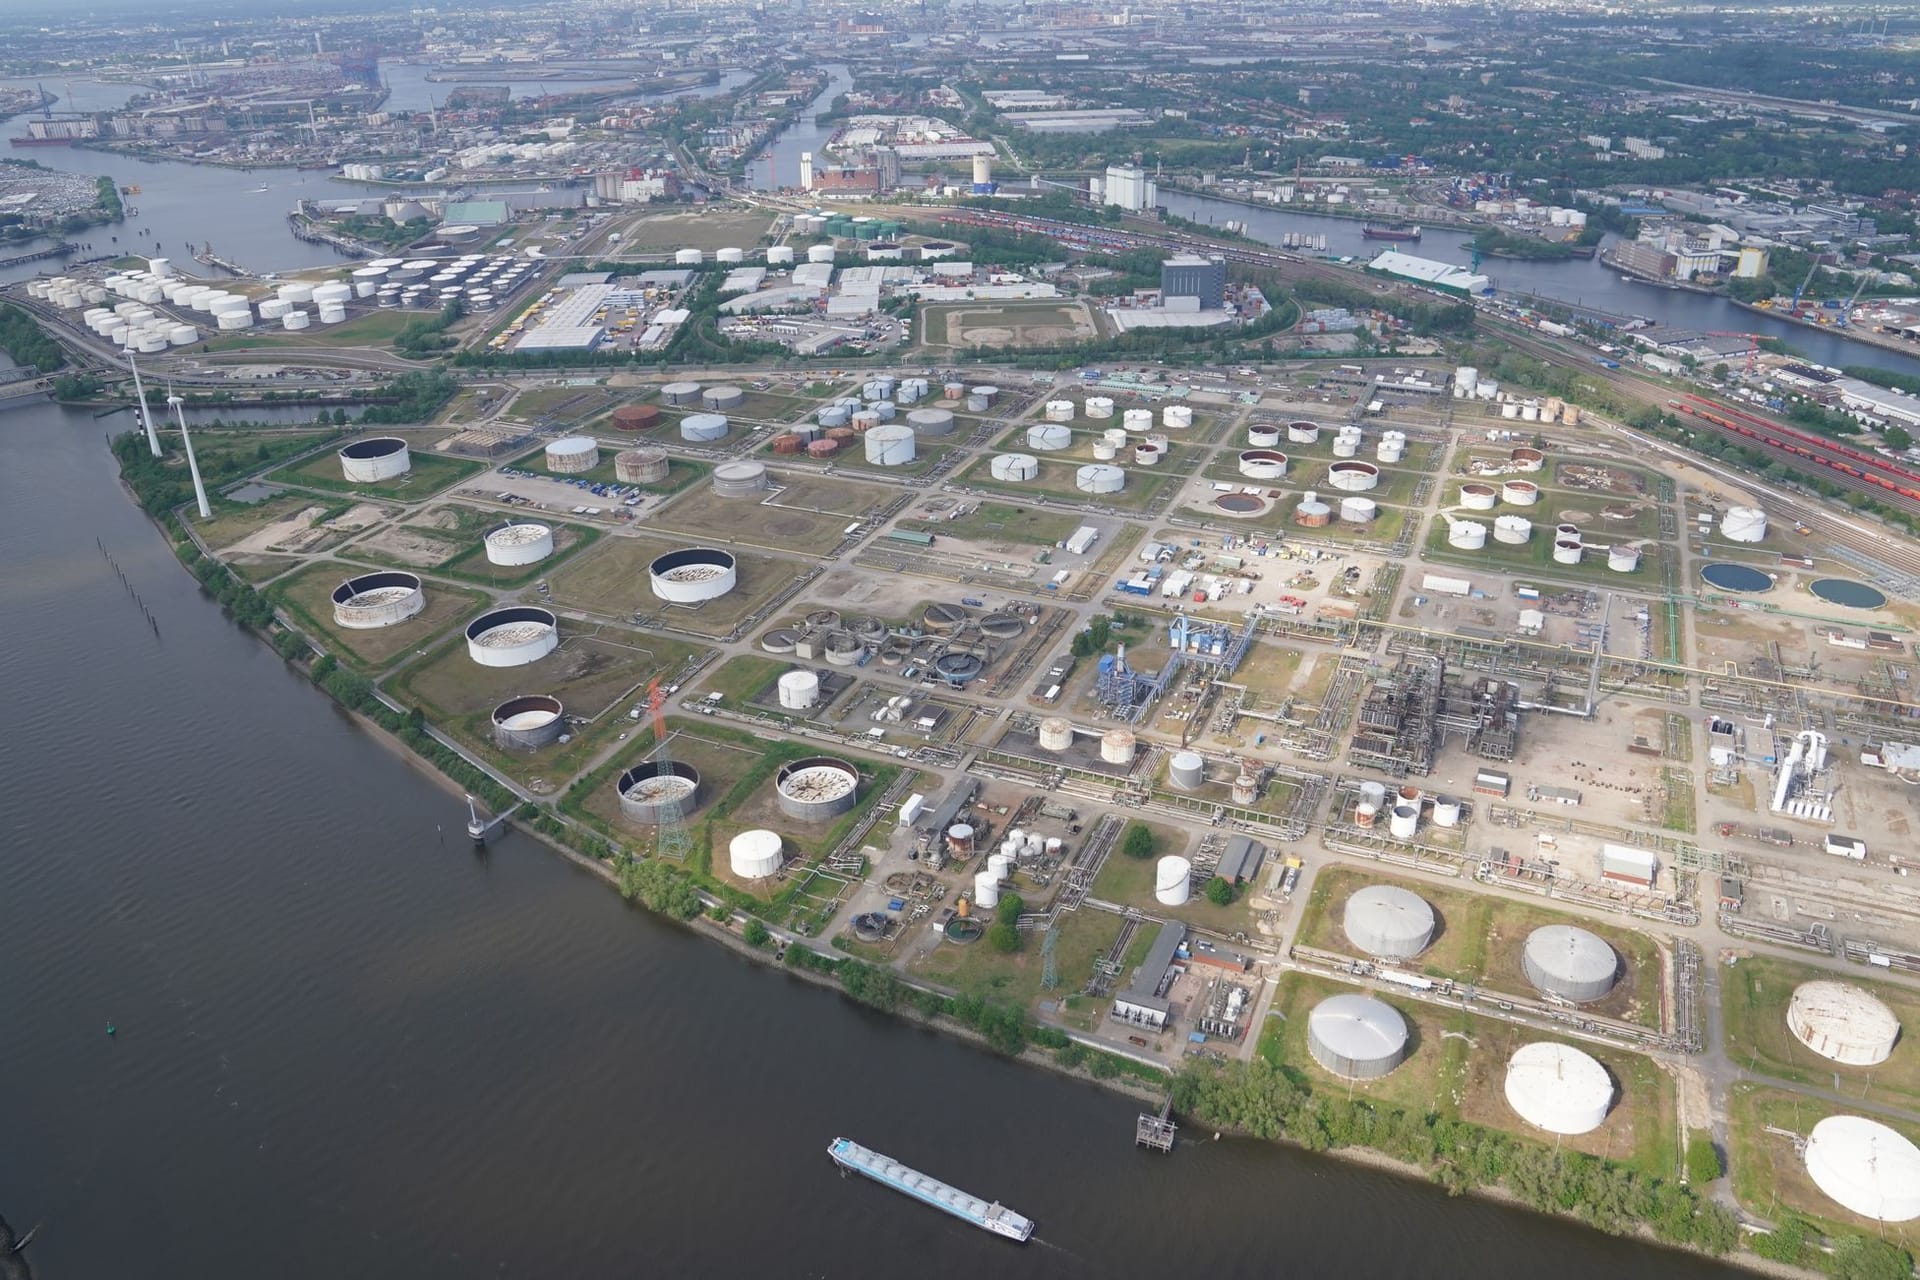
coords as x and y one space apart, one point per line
1866 467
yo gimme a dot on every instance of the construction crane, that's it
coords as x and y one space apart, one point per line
1801 291
1753 345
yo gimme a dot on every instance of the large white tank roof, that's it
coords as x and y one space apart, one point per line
1843 1023
1866 1167
1558 1088
1387 921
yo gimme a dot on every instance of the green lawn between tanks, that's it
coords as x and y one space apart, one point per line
308 596
428 474
1754 997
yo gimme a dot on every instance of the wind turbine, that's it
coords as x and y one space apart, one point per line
146 414
193 465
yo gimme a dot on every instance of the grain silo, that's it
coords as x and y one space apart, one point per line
1357 1037
1388 922
1866 1167
1843 1023
1569 962
1558 1088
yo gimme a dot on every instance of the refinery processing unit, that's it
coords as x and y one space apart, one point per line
1266 708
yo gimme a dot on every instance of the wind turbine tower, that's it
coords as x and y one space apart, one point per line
146 414
193 465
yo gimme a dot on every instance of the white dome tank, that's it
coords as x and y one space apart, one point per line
1048 437
986 890
1178 417
702 428
780 255
1356 1036
1099 407
891 445
1172 881
1570 962
686 257
1558 1088
1115 436
1359 510
1622 558
754 855
1744 524
1014 467
1002 863
1466 535
1512 530
799 690
1866 1167
1059 411
1099 479
1137 420
1388 922
1843 1023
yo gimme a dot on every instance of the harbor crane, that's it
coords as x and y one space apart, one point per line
1845 317
1801 291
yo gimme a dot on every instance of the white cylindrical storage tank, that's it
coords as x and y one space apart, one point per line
780 255
1056 734
1403 820
1136 420
151 343
1262 437
1569 962
641 466
730 257
1172 881
1312 513
700 428
1147 455
1187 770
1300 431
1510 410
1523 493
331 292
1446 811
528 723
1048 438
1099 478
1388 922
1529 412
1353 477
1558 1088
1001 864
799 690
926 422
160 268
181 335
1359 510
296 293
1466 535
1865 1167
1622 558
1015 467
680 393
231 321
1512 530
1115 436
513 636
723 397
986 890
754 855
1843 1023
274 308
377 600
692 575
1392 447
332 313
1357 1037
1099 406
573 454
1117 746
374 459
1177 417
295 320
1263 464
864 419
1105 452
519 544
1743 524
686 257
890 445
820 253
1059 411
1346 447
740 479
1567 550
978 404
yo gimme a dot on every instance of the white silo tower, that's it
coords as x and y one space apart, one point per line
1172 881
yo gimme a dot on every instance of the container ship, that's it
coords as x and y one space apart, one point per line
1379 231
889 1172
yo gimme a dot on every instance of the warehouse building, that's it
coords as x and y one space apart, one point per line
1144 1002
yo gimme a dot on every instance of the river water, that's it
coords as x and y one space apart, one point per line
778 164
1585 282
347 1044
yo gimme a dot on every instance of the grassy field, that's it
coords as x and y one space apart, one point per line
612 581
1429 1081
1002 522
1536 556
741 677
232 521
594 671
1770 1178
1056 480
430 472
977 969
807 513
374 329
707 229
1479 938
308 596
1754 997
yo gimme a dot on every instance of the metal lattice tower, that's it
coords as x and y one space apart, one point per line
1049 962
670 833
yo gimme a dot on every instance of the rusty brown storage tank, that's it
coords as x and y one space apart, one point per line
636 417
788 443
823 448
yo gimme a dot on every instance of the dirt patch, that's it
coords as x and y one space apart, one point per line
409 546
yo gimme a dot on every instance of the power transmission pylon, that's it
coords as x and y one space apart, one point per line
670 838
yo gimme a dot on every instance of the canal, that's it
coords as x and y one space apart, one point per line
778 163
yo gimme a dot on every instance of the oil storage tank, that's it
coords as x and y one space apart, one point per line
1388 922
740 479
1048 437
1098 478
727 397
1558 1088
1172 881
1187 770
373 460
1866 1167
1357 1037
754 855
377 600
655 789
703 428
517 543
573 455
680 393
1744 524
817 789
641 466
931 422
1571 963
891 445
528 723
693 575
1015 467
1842 1023
799 690
513 636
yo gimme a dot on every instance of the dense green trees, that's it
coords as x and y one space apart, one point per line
22 338
1138 842
1003 935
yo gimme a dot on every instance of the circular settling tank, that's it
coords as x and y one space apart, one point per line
377 600
1736 577
1851 595
655 788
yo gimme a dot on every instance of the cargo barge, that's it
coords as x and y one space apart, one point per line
888 1172
1377 231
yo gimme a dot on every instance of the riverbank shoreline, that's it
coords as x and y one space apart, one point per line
1443 224
1865 338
